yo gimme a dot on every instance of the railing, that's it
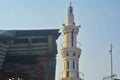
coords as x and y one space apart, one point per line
81 76
108 77
21 49
78 44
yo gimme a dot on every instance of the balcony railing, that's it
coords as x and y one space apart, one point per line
81 76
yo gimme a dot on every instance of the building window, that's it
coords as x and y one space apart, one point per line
73 54
77 65
79 55
73 64
72 37
67 73
78 74
67 54
67 64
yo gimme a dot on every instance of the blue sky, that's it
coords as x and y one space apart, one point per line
100 21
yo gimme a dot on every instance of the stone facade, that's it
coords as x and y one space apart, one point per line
70 52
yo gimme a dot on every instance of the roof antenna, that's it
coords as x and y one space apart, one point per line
70 3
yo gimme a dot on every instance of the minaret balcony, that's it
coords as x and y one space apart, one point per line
67 29
81 77
70 52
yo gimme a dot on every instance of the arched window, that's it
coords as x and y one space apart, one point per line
73 54
67 54
77 65
78 74
67 64
73 64
72 37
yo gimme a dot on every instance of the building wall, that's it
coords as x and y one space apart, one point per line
31 55
3 50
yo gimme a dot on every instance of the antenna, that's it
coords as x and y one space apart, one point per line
70 2
110 51
111 75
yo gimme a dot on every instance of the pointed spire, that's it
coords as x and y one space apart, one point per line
70 16
70 9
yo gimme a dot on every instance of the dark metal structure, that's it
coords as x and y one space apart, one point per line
28 54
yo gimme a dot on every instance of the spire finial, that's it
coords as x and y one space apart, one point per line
70 3
70 8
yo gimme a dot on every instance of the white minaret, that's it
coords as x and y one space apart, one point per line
70 52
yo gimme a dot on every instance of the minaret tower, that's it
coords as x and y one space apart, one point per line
70 52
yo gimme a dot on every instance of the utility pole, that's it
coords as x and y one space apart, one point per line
111 47
111 63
